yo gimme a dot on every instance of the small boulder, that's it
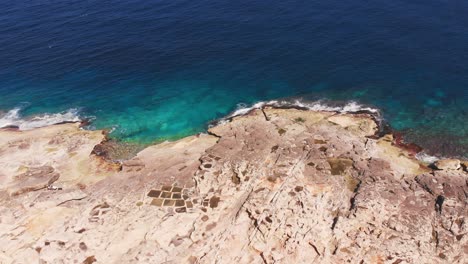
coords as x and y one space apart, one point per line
464 164
447 164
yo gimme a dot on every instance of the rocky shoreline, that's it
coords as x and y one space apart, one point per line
282 185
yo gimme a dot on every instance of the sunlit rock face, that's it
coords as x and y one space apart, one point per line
274 185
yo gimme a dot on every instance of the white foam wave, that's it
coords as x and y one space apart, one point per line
426 158
14 118
243 109
350 107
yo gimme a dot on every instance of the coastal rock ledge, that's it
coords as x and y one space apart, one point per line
272 186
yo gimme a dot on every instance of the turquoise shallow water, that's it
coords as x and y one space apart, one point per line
162 70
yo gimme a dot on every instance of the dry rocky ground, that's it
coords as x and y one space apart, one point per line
273 186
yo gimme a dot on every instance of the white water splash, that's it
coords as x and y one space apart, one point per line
243 109
350 107
426 158
14 118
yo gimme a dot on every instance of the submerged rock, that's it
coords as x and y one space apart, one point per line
325 190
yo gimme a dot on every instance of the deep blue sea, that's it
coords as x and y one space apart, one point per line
154 70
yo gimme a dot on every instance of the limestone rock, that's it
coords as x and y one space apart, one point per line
275 185
464 164
448 164
65 148
33 179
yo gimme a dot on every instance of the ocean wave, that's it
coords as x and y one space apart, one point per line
426 158
349 107
14 118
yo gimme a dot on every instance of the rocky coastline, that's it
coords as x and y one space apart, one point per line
276 185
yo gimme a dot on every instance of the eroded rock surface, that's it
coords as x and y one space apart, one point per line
276 185
448 164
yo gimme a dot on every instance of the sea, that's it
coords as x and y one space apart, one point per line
154 70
